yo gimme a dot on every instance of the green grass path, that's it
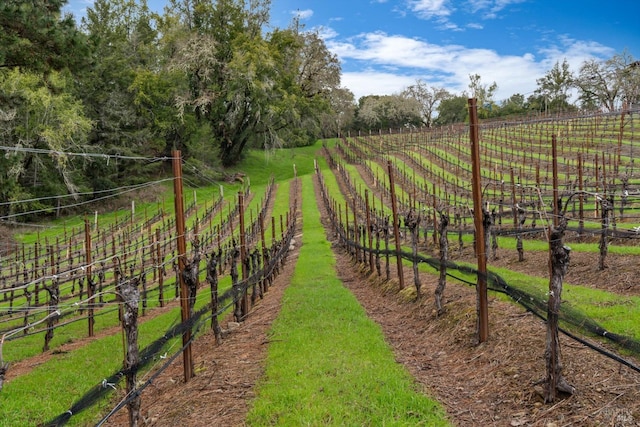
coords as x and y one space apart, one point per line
328 363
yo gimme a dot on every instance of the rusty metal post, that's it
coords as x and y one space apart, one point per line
187 357
581 197
396 225
369 234
481 288
244 302
554 160
160 268
87 250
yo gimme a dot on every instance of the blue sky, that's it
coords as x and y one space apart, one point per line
386 45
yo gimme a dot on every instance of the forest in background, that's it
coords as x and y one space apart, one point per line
210 78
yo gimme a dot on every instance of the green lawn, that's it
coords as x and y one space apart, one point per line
328 363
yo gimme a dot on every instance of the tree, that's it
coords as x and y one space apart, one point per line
252 89
537 103
35 37
598 84
308 87
484 95
428 96
514 105
38 114
388 111
554 87
343 110
124 90
319 69
39 50
609 83
452 109
630 79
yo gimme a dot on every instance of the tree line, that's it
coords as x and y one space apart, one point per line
600 85
210 78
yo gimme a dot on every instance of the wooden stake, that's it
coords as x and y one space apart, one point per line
187 357
244 302
90 285
396 230
481 288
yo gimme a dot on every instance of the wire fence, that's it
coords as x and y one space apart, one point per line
260 276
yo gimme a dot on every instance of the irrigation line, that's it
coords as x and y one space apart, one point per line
129 397
149 352
138 390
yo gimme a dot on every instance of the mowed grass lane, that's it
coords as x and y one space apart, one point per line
328 363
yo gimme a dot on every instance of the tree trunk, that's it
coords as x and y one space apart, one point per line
607 207
558 263
212 278
3 371
444 257
237 290
519 247
131 299
54 297
412 221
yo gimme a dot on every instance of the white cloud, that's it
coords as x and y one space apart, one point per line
475 26
325 33
394 61
436 10
477 5
442 11
303 14
429 9
372 82
490 8
574 51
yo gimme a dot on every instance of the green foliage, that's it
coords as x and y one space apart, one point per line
452 110
202 77
555 84
388 112
484 96
515 105
39 115
254 90
35 37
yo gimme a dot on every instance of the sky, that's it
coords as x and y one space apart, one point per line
386 45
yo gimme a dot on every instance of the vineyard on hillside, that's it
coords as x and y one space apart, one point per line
598 191
68 283
77 283
596 159
592 204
